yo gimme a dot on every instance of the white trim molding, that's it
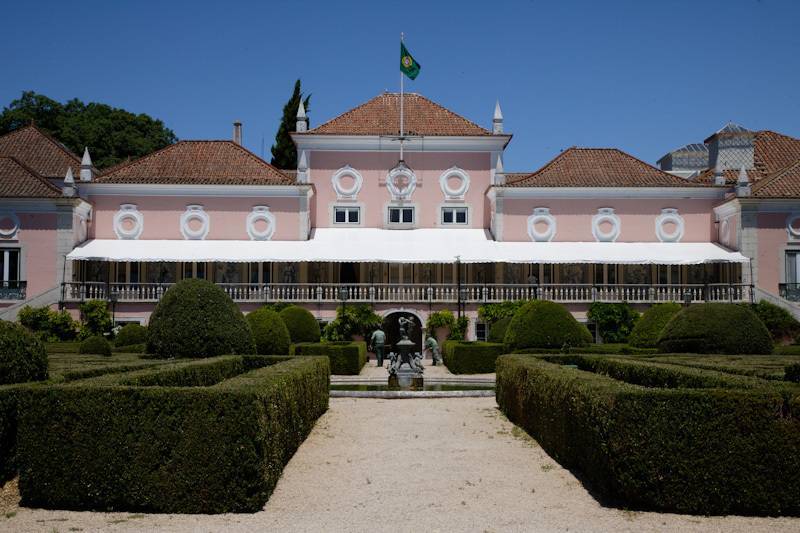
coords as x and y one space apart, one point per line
10 233
390 143
542 214
725 231
132 213
606 214
791 231
342 192
195 212
459 192
260 212
610 192
215 191
670 215
401 170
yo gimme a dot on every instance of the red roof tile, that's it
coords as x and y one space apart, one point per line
20 181
39 151
783 184
381 116
772 152
198 162
599 167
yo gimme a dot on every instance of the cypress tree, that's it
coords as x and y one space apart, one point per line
284 153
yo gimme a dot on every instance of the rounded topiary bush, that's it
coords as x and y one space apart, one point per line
95 345
302 325
497 331
195 318
22 356
131 334
715 328
543 324
648 328
269 332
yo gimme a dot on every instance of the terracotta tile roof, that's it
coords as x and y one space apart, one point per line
198 162
38 150
599 167
512 177
783 184
20 181
381 116
772 152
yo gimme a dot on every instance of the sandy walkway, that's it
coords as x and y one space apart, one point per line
412 465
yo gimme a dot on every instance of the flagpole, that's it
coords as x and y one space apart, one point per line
401 106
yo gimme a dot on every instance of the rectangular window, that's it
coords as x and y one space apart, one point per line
401 215
9 266
346 215
480 331
792 267
454 215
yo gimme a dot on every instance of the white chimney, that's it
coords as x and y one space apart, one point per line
68 189
87 172
499 172
237 132
719 175
497 120
302 119
302 168
743 183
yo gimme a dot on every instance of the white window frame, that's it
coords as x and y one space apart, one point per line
348 209
455 210
401 209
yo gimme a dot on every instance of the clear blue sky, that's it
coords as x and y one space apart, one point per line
639 75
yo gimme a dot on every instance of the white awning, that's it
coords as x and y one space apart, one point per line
405 246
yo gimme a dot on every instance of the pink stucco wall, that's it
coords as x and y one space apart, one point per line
374 196
37 238
729 232
227 216
637 217
772 238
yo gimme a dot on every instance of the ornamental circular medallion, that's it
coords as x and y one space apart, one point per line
260 213
454 193
342 191
128 222
401 182
192 213
792 227
9 231
606 215
669 216
541 215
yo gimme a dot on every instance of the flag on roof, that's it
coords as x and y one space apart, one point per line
408 65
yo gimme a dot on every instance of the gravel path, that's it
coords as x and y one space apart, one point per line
411 465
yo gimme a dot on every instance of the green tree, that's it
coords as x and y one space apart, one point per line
112 134
284 152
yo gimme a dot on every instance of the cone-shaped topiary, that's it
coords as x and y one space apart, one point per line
22 355
715 328
269 332
302 325
648 328
543 324
131 334
497 330
195 318
95 345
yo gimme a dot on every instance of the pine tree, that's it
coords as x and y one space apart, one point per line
284 153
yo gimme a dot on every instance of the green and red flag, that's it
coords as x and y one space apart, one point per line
408 65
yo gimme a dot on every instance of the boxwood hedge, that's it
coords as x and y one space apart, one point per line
793 373
190 437
715 328
682 440
648 328
346 358
131 334
95 345
545 324
302 325
461 357
22 355
269 332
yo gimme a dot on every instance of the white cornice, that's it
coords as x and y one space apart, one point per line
608 192
385 143
768 205
246 191
43 205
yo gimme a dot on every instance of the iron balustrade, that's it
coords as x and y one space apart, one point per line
789 291
13 290
426 293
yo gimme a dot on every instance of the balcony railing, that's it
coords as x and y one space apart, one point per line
424 293
13 290
789 291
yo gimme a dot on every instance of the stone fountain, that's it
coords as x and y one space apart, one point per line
405 378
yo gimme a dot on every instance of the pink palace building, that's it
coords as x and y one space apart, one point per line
446 227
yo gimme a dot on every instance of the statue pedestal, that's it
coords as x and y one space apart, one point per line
405 379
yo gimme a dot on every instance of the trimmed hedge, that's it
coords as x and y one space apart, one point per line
545 324
603 349
170 445
715 328
648 328
793 373
346 358
131 334
62 347
95 345
497 330
196 318
130 348
302 325
269 332
22 356
8 431
731 445
462 357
